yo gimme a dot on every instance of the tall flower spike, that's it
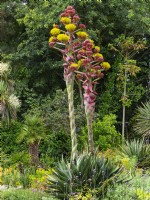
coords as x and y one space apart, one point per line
79 53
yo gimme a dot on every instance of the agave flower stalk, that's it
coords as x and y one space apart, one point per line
82 57
66 41
91 63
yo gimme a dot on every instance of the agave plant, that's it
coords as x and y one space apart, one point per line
142 125
87 172
137 149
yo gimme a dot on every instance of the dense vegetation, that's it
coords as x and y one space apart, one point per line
35 127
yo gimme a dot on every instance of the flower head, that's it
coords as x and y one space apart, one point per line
105 65
70 27
4 67
65 20
98 56
52 39
74 66
82 35
63 37
14 101
55 31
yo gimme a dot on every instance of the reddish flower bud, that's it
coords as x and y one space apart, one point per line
52 44
79 56
76 18
63 14
82 26
88 53
101 75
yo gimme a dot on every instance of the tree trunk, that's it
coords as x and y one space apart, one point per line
34 153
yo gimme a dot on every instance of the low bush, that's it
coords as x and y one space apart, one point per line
137 188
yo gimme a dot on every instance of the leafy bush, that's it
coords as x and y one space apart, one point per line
39 179
137 188
86 173
105 133
10 176
138 150
54 146
8 143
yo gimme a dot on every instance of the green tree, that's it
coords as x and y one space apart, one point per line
127 49
33 131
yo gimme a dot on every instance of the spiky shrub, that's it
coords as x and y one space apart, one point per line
136 149
91 172
142 124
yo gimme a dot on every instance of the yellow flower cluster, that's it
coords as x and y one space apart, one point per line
51 39
105 65
70 27
55 31
82 35
142 195
63 37
125 161
97 48
98 55
75 65
8 171
65 20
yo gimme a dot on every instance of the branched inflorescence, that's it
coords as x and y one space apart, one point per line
81 58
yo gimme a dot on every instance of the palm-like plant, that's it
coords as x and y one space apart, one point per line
142 125
33 131
88 172
137 149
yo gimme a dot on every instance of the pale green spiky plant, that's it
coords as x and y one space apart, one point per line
138 150
142 124
9 103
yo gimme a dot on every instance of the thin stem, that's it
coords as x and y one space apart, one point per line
124 108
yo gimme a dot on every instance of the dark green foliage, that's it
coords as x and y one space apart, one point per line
55 145
138 150
88 171
8 143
